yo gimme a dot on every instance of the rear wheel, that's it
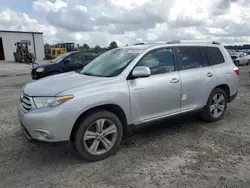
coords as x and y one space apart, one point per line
98 136
216 105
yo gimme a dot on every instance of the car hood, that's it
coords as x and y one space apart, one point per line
52 85
46 64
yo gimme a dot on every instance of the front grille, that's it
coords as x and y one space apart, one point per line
25 103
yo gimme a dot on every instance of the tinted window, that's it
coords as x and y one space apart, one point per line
214 56
76 58
204 57
159 61
189 57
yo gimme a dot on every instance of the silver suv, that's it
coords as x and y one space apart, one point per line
125 87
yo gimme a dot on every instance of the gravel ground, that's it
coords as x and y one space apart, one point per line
182 152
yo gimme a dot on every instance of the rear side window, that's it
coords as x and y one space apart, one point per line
189 57
214 55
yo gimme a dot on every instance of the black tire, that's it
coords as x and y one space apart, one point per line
19 58
207 114
14 54
77 139
54 73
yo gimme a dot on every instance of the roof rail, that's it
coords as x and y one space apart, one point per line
148 43
192 41
179 42
141 43
173 42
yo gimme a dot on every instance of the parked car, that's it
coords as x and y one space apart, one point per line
125 87
240 58
66 62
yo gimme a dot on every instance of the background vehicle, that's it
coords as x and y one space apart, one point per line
56 52
94 107
69 46
66 62
52 52
241 58
22 54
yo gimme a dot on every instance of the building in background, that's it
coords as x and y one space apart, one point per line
9 38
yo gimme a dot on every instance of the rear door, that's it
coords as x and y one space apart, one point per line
198 78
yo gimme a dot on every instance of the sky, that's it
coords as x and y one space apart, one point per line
129 21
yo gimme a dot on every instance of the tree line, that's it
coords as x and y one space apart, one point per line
86 47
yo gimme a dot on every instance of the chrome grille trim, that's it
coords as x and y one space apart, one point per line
25 103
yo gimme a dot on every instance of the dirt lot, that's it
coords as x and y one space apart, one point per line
183 152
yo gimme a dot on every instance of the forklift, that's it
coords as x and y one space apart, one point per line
22 54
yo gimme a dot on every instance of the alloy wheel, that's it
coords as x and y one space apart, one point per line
217 106
100 136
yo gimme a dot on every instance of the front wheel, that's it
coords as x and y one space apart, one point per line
98 136
216 106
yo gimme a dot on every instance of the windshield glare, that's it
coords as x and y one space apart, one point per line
111 63
60 58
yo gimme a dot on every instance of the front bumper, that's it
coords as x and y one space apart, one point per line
47 125
37 75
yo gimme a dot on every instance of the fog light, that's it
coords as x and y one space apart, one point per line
46 134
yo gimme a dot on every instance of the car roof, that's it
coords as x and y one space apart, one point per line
146 46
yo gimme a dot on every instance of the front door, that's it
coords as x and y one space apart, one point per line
159 94
75 60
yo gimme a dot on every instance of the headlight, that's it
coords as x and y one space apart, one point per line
41 69
46 102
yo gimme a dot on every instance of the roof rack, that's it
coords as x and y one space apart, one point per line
149 43
191 41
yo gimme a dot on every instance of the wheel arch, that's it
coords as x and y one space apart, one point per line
225 88
114 108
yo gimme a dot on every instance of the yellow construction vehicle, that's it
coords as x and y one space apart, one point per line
55 52
22 53
62 48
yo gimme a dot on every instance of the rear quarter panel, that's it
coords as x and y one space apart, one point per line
225 73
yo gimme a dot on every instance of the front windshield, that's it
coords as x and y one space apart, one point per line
111 63
60 58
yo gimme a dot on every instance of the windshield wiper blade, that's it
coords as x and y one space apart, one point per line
85 73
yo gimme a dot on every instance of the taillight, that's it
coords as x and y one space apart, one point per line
237 71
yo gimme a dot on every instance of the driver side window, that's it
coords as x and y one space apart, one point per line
159 61
76 58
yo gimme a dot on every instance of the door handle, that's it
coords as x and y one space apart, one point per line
174 80
209 74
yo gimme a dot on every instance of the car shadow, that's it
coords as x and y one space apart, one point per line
64 153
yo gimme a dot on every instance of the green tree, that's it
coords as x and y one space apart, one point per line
85 46
98 48
113 45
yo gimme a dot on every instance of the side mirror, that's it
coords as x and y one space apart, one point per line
141 71
66 62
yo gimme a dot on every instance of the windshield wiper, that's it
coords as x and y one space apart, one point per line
89 74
